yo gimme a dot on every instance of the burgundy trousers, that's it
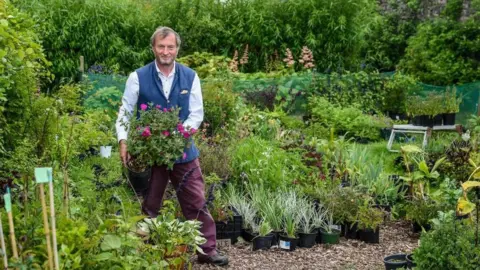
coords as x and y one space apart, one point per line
188 181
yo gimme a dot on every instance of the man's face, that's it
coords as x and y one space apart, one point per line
165 50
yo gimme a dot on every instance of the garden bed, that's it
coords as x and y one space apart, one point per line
395 237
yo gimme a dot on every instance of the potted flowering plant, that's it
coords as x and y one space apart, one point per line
157 137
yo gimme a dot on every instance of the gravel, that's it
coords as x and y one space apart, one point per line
395 237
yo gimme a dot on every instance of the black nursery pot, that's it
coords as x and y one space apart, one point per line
438 120
307 240
417 228
351 231
139 181
276 238
410 261
449 119
288 244
396 261
262 242
369 235
248 235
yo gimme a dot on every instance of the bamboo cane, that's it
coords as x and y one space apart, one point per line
54 230
8 207
12 235
2 242
46 227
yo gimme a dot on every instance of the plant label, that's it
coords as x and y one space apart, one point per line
43 175
336 227
284 244
8 202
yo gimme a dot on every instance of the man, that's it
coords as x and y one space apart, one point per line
169 84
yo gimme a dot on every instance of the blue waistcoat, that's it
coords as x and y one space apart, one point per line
151 90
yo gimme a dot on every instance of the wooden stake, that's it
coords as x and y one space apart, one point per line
46 227
8 207
2 242
54 230
45 175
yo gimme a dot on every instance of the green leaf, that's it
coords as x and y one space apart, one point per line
104 256
409 149
464 206
111 242
422 166
470 184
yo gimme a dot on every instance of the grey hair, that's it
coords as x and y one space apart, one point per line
163 32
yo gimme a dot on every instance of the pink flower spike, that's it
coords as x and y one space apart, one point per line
166 133
143 107
184 155
158 107
146 132
193 131
164 109
186 135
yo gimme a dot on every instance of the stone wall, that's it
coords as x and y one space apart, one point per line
428 8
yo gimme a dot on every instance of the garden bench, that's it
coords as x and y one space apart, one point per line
426 131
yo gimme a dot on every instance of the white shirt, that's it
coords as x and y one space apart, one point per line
130 98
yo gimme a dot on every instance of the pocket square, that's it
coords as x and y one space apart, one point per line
184 92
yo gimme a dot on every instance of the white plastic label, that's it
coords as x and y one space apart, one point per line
284 244
336 227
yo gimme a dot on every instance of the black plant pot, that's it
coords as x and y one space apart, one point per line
248 235
139 181
416 120
307 240
438 120
351 231
449 119
410 261
417 228
330 238
396 261
287 243
461 217
262 242
369 235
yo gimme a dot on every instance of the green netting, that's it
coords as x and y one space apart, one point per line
469 92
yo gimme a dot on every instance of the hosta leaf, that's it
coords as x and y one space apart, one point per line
111 242
104 256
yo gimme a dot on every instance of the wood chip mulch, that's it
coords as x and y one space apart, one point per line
395 237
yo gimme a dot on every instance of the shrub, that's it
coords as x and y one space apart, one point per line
262 162
21 69
451 245
444 52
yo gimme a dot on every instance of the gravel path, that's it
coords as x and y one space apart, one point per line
395 237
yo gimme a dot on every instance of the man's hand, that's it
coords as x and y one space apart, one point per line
124 156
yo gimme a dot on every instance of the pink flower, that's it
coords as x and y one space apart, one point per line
184 155
146 132
166 133
180 127
186 135
164 109
193 131
143 107
158 107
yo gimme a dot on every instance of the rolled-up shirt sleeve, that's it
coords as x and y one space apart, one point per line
129 101
195 118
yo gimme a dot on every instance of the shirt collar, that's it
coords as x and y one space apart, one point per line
171 73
